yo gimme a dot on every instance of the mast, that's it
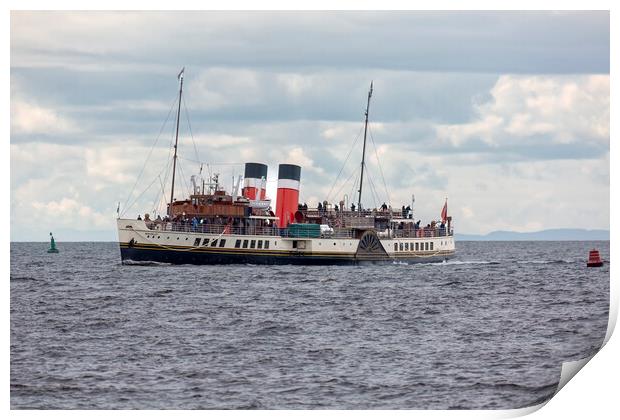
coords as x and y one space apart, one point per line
176 141
359 201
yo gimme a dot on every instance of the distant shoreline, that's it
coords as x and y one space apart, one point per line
495 236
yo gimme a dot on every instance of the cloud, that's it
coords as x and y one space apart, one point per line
507 123
28 118
532 110
71 213
470 41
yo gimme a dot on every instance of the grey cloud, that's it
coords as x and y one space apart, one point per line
498 42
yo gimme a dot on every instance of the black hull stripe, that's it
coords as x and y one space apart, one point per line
163 255
257 252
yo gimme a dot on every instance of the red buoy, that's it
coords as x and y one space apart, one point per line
594 260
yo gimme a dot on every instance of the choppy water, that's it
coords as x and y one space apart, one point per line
489 329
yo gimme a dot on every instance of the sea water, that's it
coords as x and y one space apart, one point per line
488 329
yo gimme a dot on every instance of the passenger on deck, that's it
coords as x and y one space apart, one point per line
403 212
336 207
139 218
352 207
384 207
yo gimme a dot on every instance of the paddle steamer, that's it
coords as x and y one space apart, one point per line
213 226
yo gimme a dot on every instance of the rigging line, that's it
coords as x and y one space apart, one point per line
354 186
144 191
373 190
344 184
157 201
149 154
190 129
141 194
380 168
212 164
165 168
184 183
345 162
168 164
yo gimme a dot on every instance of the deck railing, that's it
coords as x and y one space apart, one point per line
336 232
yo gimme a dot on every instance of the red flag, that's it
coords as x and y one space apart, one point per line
444 212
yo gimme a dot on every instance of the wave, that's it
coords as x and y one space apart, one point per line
545 262
453 262
145 263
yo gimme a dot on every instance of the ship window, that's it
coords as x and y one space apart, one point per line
417 246
266 244
252 243
245 243
214 242
197 242
395 246
222 243
426 246
406 246
401 246
259 245
431 246
205 241
238 243
295 244
411 246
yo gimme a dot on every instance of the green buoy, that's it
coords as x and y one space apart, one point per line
53 249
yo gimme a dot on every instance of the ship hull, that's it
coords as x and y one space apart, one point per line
140 244
170 256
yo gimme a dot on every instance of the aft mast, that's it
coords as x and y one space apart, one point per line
359 201
176 141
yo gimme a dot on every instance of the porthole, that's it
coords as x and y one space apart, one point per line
334 243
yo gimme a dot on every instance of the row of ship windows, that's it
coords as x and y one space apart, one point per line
419 246
245 243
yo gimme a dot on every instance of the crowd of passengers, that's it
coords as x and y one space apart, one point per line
323 208
409 229
196 224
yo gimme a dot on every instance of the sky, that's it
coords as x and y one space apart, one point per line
504 113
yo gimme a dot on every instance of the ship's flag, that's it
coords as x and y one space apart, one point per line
444 212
